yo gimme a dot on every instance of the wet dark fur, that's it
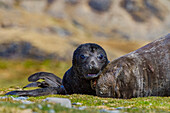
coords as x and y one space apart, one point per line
75 80
88 61
144 72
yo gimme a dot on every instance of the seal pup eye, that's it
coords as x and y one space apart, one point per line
82 56
100 56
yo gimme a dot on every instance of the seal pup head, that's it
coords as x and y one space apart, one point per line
89 59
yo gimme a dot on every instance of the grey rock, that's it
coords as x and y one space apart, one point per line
6 4
56 30
33 5
22 106
23 49
102 34
78 103
109 111
77 24
4 97
62 101
26 102
22 99
120 108
40 106
100 5
73 2
143 9
19 98
82 108
51 111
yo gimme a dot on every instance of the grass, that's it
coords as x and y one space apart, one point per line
93 104
38 107
14 74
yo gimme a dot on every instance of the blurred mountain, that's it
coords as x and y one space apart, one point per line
56 27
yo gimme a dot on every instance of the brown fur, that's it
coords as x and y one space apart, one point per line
141 73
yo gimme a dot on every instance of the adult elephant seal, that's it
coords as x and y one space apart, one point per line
141 73
88 61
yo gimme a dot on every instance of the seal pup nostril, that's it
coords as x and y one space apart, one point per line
93 63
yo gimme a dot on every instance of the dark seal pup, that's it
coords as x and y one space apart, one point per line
141 73
88 61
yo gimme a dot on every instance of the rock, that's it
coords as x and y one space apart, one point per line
82 108
57 10
110 111
22 106
39 106
101 34
62 101
141 10
60 31
56 30
23 49
26 102
121 34
73 2
77 24
120 108
100 5
33 5
19 98
6 4
22 99
51 111
4 97
78 103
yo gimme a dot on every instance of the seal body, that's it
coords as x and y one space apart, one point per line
88 61
141 73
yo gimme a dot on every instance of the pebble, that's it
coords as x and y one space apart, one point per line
78 103
120 108
62 101
26 102
22 106
22 99
48 105
51 111
82 108
4 97
40 106
110 111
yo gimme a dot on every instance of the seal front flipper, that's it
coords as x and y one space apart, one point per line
51 85
51 80
37 84
39 92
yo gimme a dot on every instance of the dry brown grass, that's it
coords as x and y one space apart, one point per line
21 25
63 46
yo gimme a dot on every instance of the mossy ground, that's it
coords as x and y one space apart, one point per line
14 74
